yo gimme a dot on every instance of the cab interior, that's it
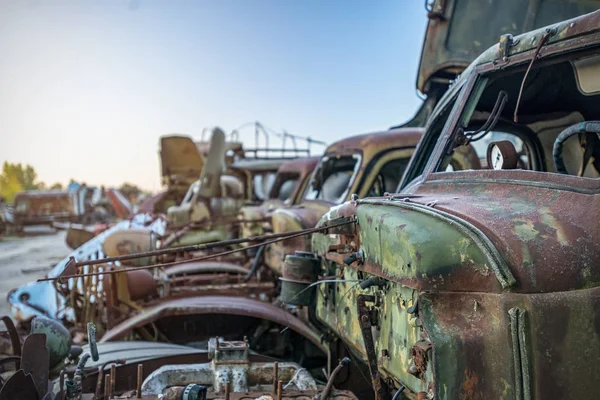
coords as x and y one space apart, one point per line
557 95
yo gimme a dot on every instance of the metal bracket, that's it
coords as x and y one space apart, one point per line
365 322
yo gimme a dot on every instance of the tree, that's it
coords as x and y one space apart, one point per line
16 178
56 186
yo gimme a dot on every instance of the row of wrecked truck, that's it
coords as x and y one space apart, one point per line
456 256
78 204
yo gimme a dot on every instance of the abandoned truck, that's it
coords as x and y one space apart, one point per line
368 164
465 311
182 160
210 208
79 203
481 282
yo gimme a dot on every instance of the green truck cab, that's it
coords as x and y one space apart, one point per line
483 281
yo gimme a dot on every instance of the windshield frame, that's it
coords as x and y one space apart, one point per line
480 74
328 156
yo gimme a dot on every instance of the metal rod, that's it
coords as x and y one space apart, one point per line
279 390
113 378
140 375
61 392
205 246
101 376
280 237
13 335
107 392
325 394
275 376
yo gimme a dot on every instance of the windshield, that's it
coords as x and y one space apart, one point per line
555 130
331 181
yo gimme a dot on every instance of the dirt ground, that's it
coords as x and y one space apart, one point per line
27 258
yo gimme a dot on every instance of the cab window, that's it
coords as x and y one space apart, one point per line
554 130
388 178
331 181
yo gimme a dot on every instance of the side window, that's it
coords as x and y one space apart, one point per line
284 185
286 189
332 180
388 178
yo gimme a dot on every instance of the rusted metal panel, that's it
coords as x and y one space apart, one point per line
459 30
44 207
224 305
181 161
481 280
121 206
546 241
371 144
19 387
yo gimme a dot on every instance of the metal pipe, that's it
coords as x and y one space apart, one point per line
279 390
113 377
227 390
275 376
107 392
101 376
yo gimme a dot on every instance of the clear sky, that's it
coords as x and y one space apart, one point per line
88 87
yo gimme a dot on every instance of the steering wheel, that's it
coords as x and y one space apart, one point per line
576 129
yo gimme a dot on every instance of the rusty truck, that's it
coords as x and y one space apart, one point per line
470 280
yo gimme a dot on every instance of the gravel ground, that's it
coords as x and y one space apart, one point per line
27 258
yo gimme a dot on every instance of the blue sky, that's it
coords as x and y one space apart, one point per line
88 87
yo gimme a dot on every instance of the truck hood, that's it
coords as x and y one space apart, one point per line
548 236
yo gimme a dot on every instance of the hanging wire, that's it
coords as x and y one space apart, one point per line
542 42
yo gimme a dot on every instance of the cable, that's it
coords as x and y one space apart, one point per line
398 393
